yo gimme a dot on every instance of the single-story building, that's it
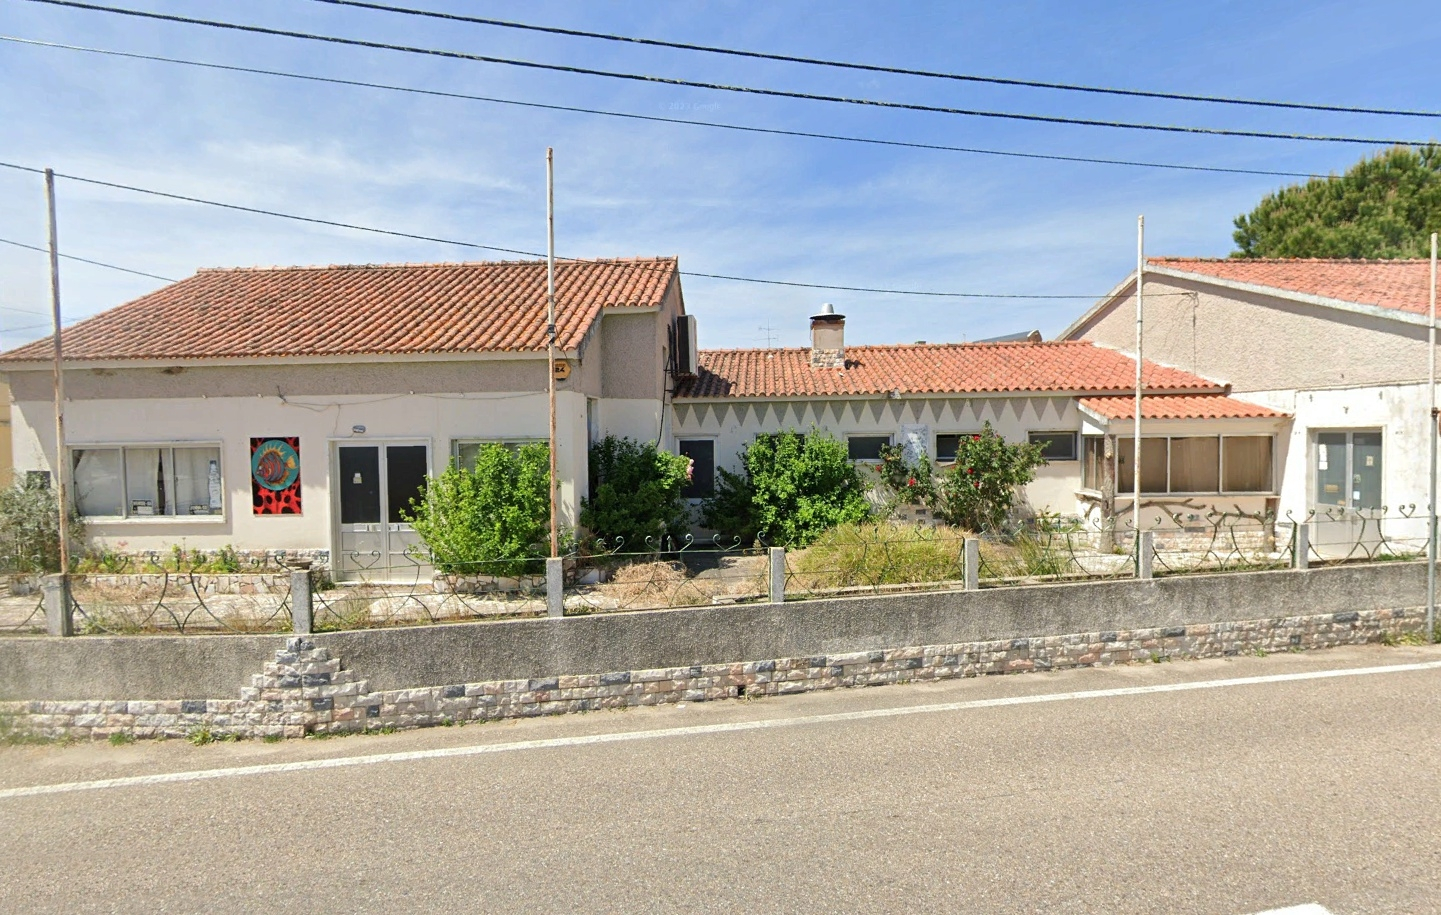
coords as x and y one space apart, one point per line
1074 397
301 408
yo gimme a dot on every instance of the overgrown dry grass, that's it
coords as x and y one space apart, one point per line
877 554
660 584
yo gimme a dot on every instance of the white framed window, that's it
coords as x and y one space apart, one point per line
949 443
1055 446
465 450
866 447
147 481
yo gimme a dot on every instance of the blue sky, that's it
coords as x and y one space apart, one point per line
725 202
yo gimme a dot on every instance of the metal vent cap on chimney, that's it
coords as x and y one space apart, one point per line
827 313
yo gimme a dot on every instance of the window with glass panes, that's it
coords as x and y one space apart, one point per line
141 481
1199 464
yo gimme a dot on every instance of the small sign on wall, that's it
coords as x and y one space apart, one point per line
275 475
916 440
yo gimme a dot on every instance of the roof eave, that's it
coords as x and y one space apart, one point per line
1359 308
932 395
142 362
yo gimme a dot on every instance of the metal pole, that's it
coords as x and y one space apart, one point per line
1431 433
550 342
62 496
1136 457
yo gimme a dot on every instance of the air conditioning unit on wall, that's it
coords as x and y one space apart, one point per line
685 345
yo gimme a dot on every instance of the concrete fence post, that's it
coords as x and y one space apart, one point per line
778 574
1301 559
1146 555
973 564
55 595
302 604
555 587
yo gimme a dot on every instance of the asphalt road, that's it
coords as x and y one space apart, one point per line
1012 796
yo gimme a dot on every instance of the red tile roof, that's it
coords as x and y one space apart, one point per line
1400 284
1177 406
946 368
393 309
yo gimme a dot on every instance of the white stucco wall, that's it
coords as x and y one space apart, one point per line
732 425
435 419
1398 411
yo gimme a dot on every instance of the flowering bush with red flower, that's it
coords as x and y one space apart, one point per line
902 481
978 491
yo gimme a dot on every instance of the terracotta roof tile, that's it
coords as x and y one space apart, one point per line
359 310
1178 406
1400 284
943 368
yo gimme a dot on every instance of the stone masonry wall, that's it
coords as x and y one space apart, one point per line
305 691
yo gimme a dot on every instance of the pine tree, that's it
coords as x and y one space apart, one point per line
1385 206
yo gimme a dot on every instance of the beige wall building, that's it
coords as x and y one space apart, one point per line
301 408
1339 345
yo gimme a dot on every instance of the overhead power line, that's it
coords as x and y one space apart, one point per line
473 245
437 93
722 87
878 68
85 260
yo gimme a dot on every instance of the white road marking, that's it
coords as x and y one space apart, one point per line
1309 908
140 781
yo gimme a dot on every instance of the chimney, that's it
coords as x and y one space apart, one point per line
828 339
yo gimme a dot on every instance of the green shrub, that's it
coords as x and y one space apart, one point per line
794 488
978 491
881 554
636 500
30 528
730 510
493 520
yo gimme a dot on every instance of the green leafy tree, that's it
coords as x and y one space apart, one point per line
636 501
978 491
1386 206
493 520
794 488
30 528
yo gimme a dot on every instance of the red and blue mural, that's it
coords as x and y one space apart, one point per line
275 475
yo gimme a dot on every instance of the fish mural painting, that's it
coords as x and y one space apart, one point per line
275 475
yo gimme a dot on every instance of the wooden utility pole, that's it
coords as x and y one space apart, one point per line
550 342
62 494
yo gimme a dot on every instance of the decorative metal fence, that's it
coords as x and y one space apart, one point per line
656 574
416 594
179 602
614 576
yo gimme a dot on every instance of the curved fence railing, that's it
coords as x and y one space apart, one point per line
610 576
179 602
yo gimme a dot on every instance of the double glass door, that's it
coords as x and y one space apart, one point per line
1347 495
376 483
